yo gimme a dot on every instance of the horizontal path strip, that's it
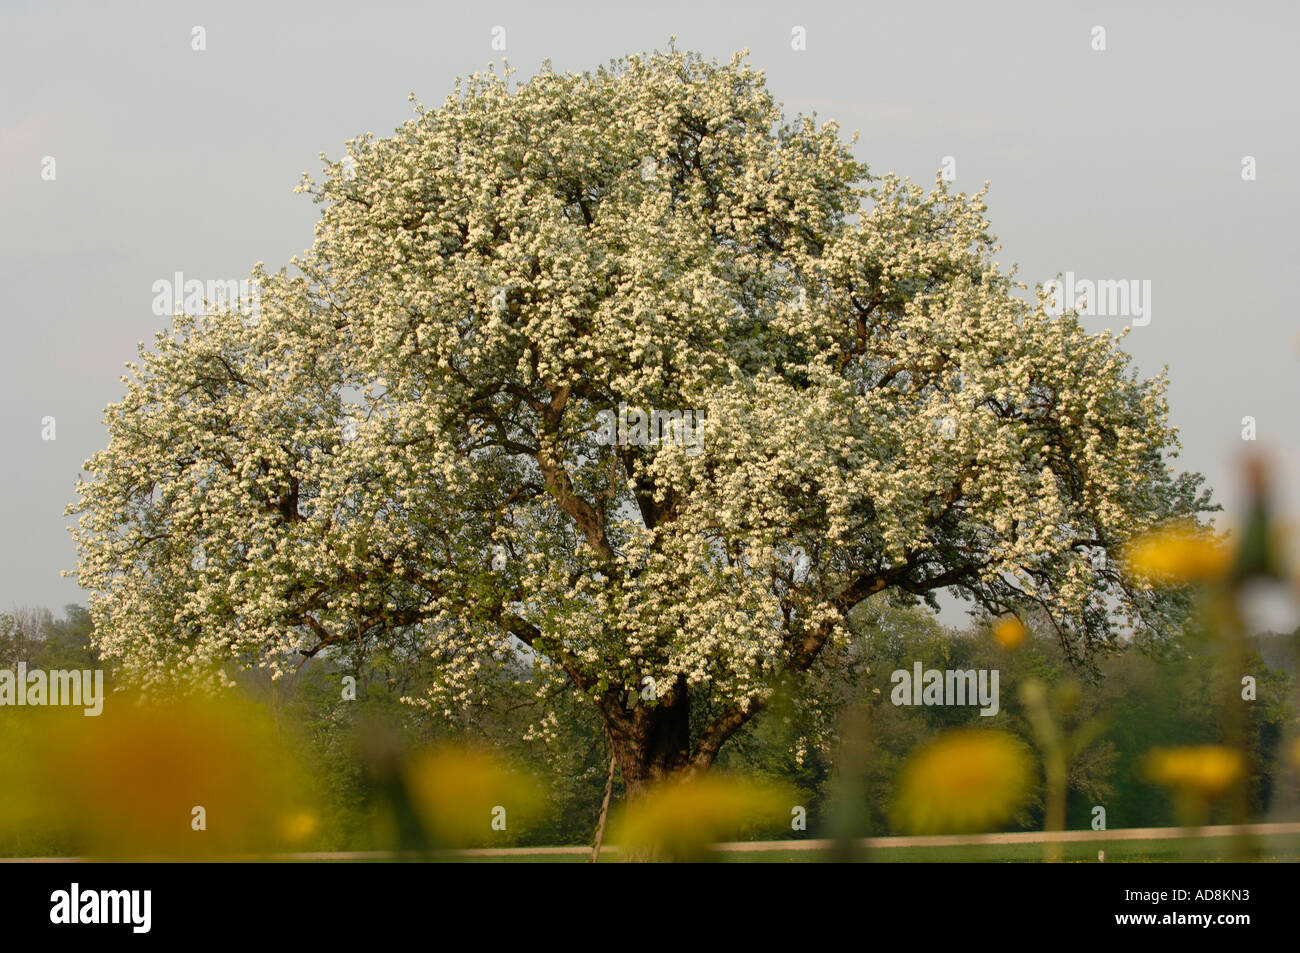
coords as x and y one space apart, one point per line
1026 837
944 840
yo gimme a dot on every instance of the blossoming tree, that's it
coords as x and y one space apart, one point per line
407 441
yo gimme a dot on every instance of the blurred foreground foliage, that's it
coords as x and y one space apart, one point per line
294 766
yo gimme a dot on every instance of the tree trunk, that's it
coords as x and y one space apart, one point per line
651 742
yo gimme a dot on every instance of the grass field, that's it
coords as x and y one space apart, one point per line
1275 848
1266 843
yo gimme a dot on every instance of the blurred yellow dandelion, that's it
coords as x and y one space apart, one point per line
465 797
297 826
1206 771
187 777
963 781
1178 553
680 819
1009 632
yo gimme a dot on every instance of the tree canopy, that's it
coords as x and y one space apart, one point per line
407 441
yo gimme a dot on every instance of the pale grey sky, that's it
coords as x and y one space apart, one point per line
1117 164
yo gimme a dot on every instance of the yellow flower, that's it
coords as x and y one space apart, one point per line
466 797
1206 771
1009 632
188 777
964 781
297 826
681 818
1177 553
